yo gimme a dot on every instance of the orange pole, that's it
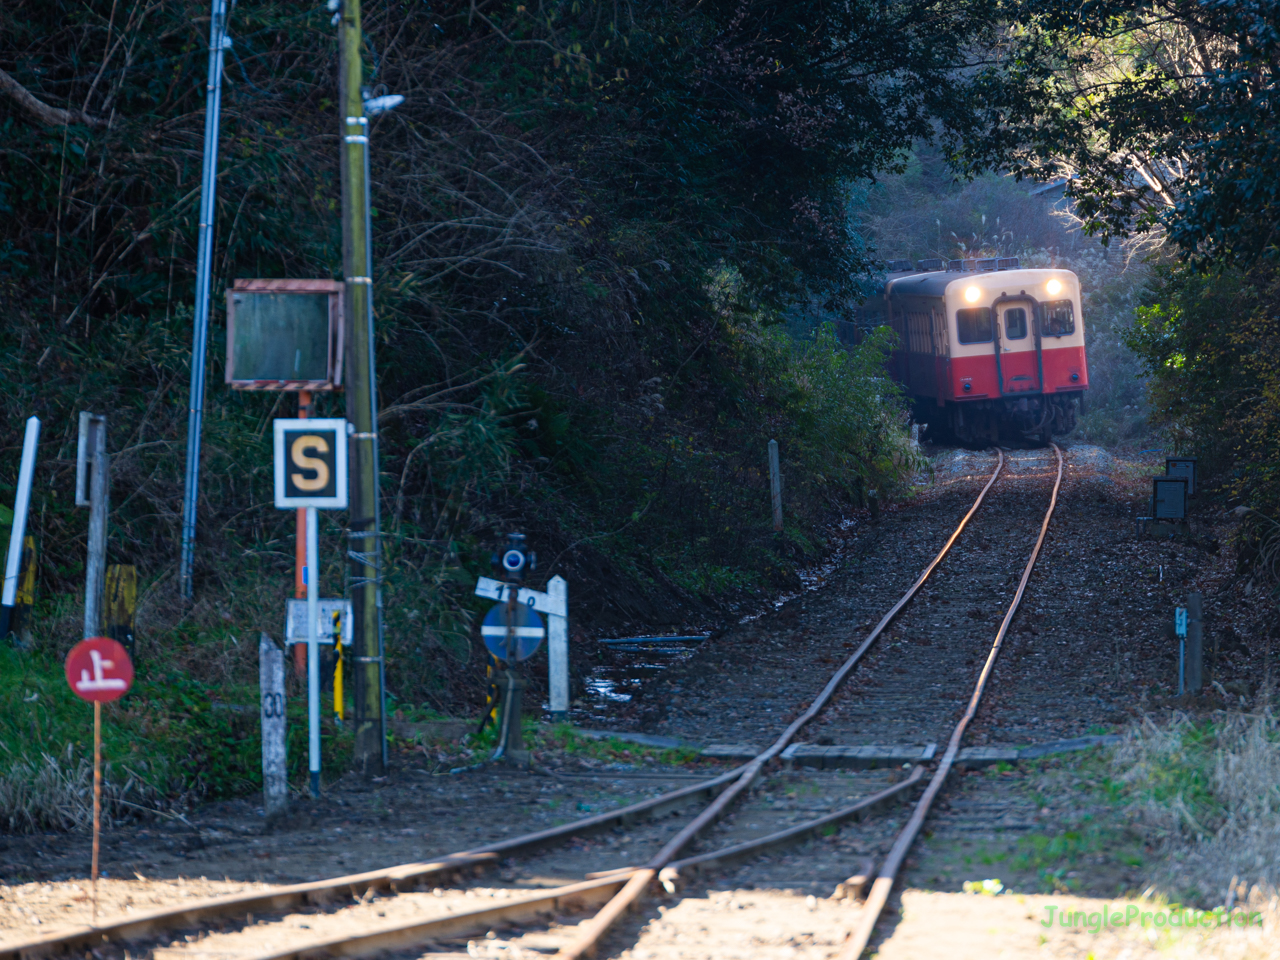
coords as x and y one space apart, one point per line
97 799
300 549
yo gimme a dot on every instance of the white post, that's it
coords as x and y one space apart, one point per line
313 650
21 503
558 647
775 485
275 788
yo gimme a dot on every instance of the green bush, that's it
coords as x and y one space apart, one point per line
170 742
1208 341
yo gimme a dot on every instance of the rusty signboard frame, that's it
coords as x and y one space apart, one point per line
336 333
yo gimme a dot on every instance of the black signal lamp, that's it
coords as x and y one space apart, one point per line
515 558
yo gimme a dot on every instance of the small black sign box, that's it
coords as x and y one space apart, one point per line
1182 467
311 464
1169 498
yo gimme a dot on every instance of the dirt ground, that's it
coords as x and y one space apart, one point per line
1090 651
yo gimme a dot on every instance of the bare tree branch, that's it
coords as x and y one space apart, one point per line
53 116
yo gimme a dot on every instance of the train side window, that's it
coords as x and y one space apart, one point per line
1015 323
1059 319
974 325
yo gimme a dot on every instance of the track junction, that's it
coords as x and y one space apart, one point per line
908 688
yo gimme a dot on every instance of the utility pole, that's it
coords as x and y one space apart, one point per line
364 548
218 42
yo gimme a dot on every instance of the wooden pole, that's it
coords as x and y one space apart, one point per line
363 533
97 799
775 485
1195 643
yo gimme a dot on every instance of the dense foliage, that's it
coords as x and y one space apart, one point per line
1161 115
1210 343
589 220
1161 112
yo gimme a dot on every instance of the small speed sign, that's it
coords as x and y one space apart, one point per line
311 464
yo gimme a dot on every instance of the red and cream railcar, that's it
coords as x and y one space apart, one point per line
986 349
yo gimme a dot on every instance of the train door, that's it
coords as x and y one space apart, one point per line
1018 347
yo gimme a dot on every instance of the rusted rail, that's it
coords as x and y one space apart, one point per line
727 787
879 895
801 831
371 942
295 895
594 930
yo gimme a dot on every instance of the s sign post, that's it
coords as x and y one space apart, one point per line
311 473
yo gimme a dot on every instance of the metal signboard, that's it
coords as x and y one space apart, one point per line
517 624
1182 467
295 625
284 335
548 602
311 464
1169 498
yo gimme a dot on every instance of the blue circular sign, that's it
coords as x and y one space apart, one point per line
509 630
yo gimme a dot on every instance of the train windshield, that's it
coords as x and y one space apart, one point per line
1059 319
974 325
1015 323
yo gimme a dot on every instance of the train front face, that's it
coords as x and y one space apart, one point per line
1017 352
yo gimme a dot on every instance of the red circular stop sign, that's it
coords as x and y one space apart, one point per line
98 669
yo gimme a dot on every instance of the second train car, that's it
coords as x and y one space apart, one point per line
987 350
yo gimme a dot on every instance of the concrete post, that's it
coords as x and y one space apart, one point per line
558 648
275 787
99 489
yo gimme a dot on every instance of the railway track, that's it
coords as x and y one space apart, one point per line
438 906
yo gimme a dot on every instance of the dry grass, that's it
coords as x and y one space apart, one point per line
1209 795
56 793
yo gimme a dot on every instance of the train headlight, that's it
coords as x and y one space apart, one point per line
972 294
1053 287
